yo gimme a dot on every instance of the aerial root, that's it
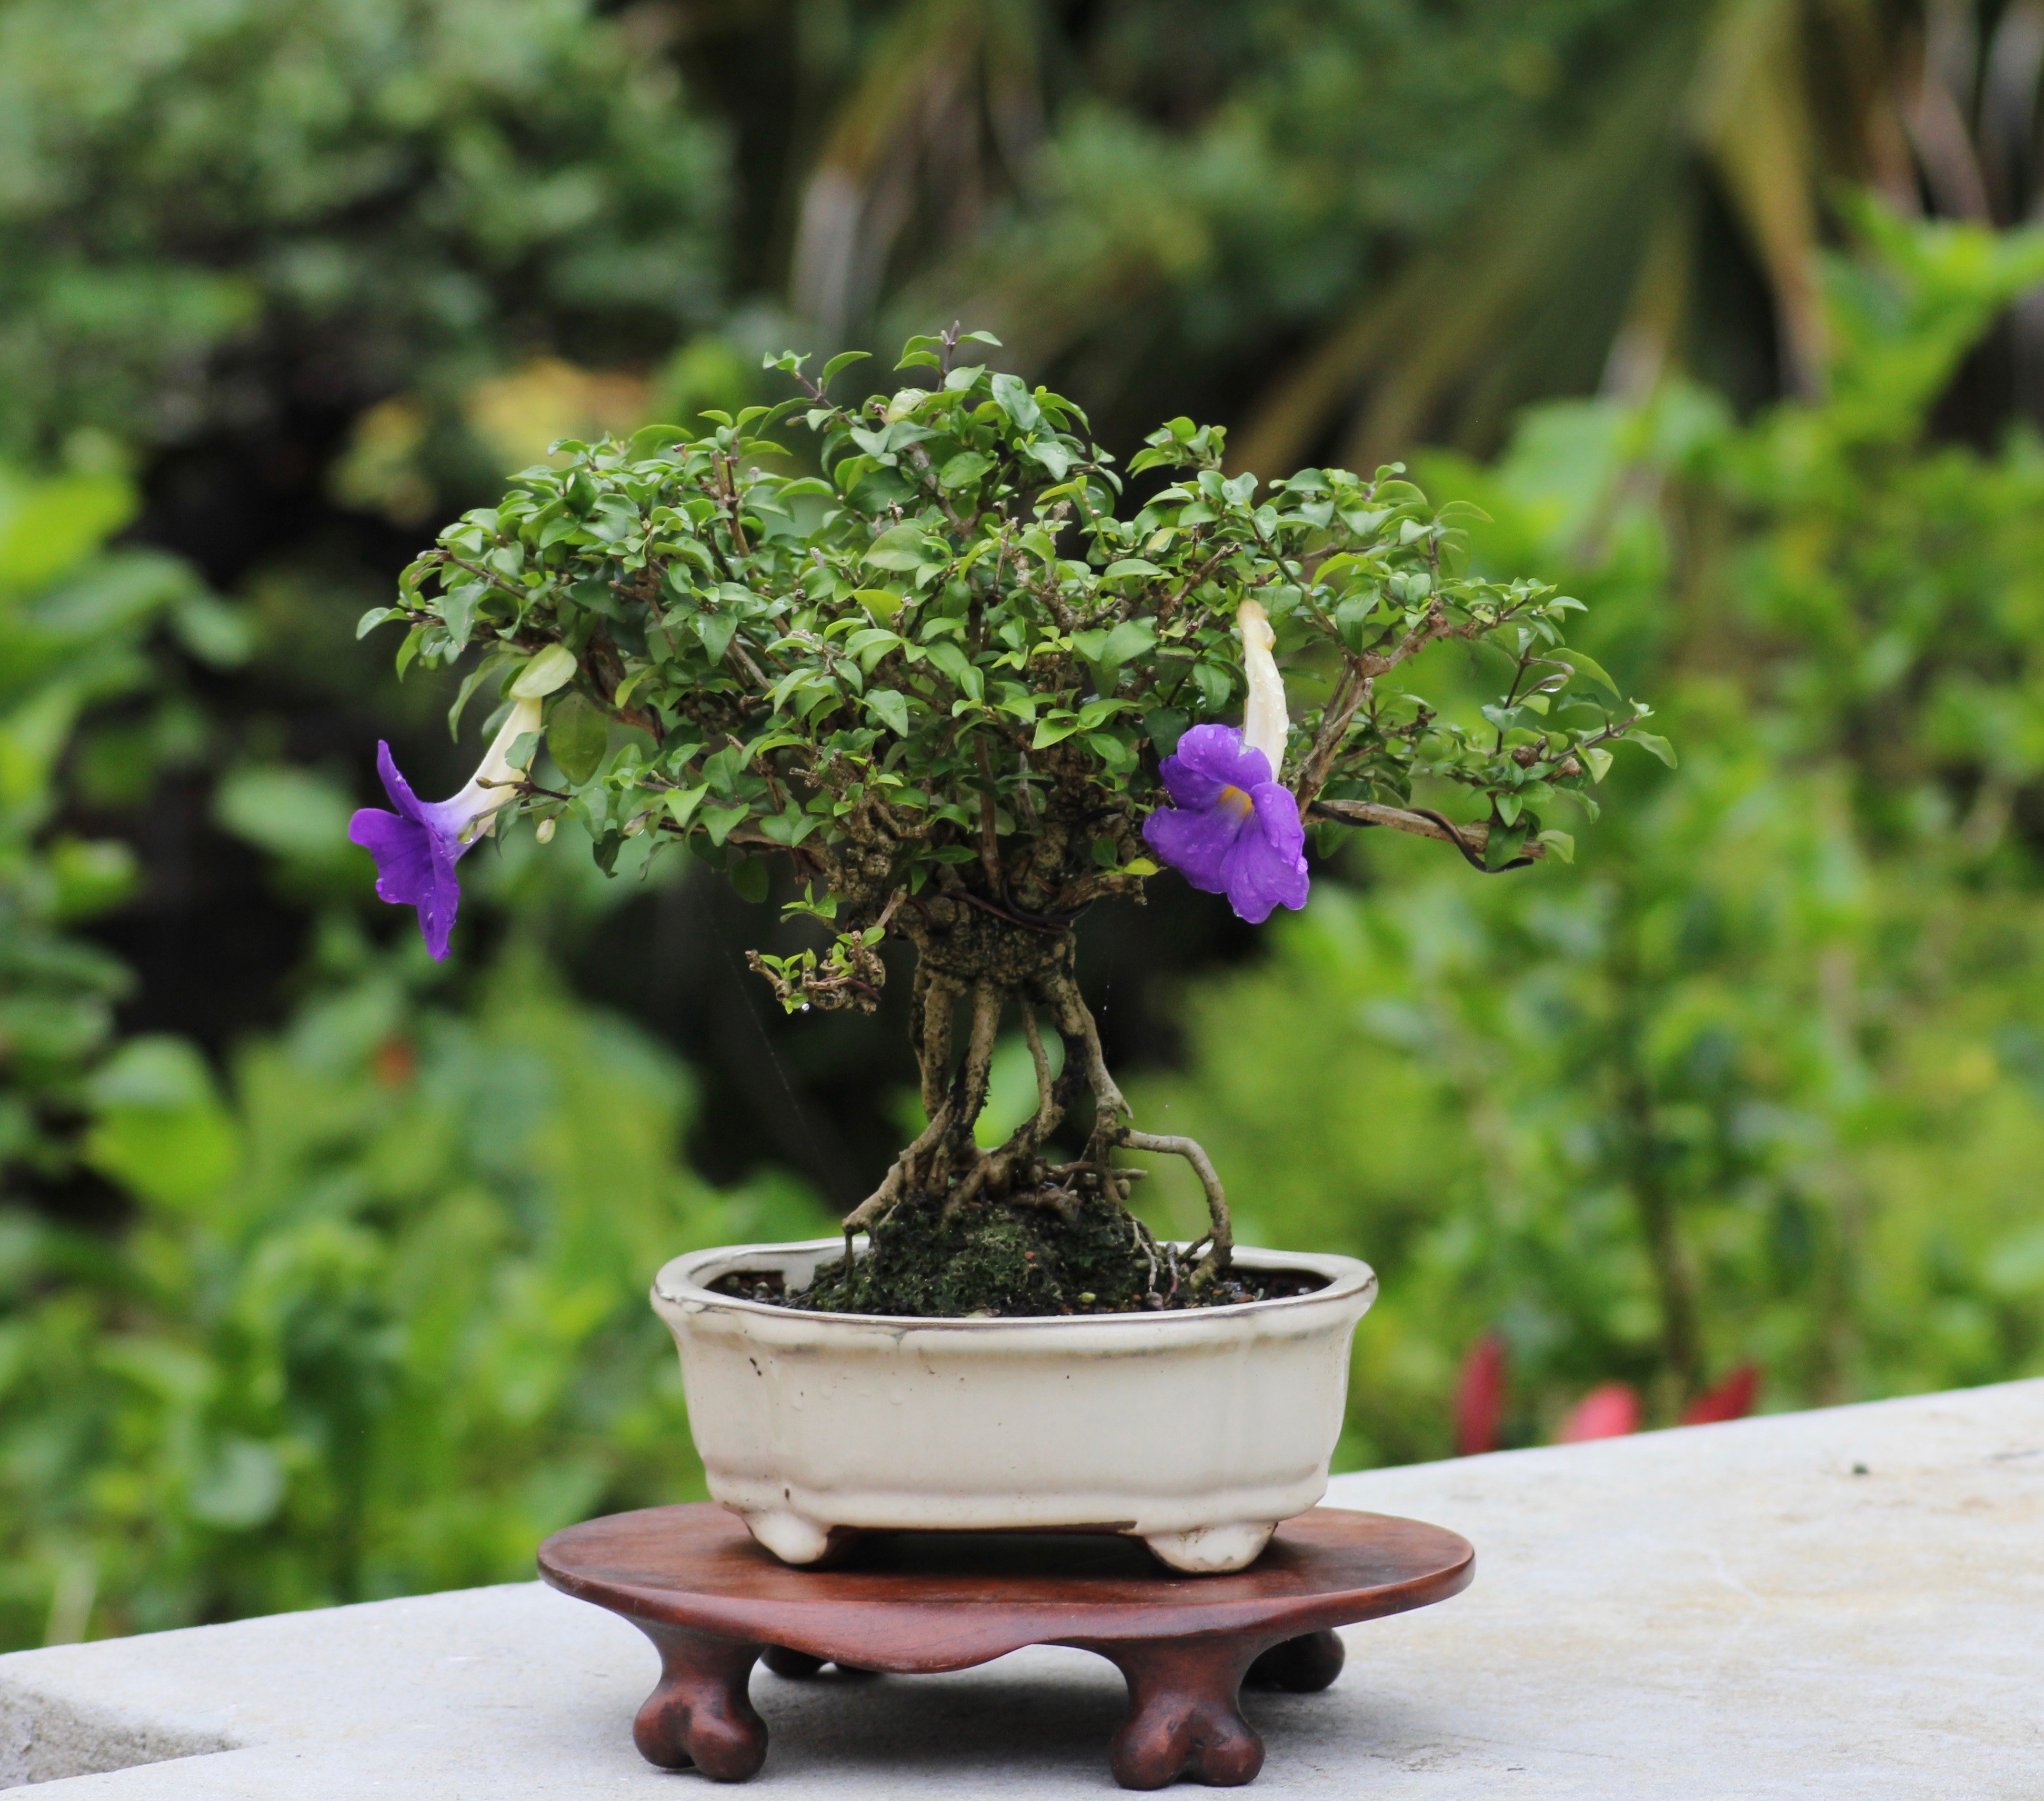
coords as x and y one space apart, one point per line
1221 1232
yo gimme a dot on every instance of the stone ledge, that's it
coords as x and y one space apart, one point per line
1723 1611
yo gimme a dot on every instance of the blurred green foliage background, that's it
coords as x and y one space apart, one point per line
322 1269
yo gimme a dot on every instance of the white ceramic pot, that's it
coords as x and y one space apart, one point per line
1196 1431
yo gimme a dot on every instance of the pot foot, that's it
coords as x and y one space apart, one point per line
795 1539
1211 1550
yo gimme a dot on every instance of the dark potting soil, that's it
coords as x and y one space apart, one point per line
1001 1260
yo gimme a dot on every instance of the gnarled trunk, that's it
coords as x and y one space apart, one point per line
986 963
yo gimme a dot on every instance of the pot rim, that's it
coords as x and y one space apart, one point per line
1348 1277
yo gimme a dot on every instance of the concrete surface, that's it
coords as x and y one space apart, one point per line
1845 1604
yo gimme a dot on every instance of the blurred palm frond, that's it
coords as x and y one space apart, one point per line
941 117
1353 294
1772 106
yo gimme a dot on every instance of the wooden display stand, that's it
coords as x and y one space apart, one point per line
693 1580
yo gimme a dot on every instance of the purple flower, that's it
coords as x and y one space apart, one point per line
416 847
1231 830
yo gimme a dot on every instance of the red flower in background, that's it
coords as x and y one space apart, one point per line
1732 1398
1609 1411
1479 1396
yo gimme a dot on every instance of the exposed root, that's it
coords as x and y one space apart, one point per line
996 1174
1047 1109
944 1190
1147 1244
1075 1023
968 1096
929 1022
1060 1201
896 1184
1223 1234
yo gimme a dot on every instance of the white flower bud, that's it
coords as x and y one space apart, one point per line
1265 726
495 783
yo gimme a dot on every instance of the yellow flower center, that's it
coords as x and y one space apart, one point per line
1237 801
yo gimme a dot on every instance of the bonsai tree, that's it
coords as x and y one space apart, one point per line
967 686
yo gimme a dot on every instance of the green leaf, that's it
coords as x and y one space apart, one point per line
1110 749
1216 685
1129 565
1561 843
1130 638
1054 454
789 827
900 547
749 875
553 668
891 709
681 803
715 629
1652 745
160 1128
1599 760
1166 725
650 440
1503 845
722 821
1586 666
951 660
1012 396
374 617
1055 730
963 469
287 811
844 359
475 677
409 649
577 737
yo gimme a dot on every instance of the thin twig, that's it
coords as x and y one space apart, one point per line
1354 689
1471 840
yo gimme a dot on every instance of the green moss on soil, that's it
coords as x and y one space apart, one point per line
1001 1259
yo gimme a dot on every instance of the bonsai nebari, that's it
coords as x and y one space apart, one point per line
967 689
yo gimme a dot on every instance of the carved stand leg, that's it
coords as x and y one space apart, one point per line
798 1666
1303 1666
700 1714
1182 1716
